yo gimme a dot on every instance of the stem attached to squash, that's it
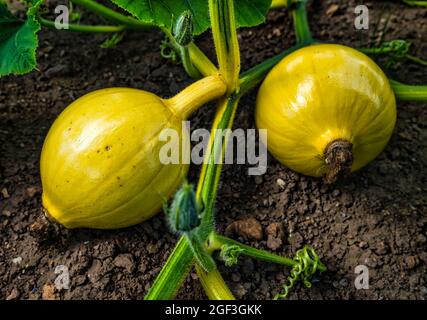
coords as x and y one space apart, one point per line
338 156
225 38
196 95
406 92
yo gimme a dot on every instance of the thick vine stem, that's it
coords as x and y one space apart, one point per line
224 33
338 158
181 259
214 285
299 15
173 272
202 256
406 92
196 95
201 61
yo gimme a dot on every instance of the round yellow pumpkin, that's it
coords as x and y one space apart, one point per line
100 162
327 109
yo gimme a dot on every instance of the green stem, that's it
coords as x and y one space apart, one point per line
217 241
173 273
188 65
407 92
113 15
224 33
202 256
184 53
198 59
82 28
416 59
301 25
201 61
179 263
375 51
209 179
394 52
181 258
214 285
275 4
416 3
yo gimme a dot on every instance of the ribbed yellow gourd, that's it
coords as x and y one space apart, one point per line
100 165
326 107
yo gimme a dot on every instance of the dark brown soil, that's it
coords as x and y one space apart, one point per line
376 217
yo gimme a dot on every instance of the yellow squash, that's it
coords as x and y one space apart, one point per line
100 165
328 109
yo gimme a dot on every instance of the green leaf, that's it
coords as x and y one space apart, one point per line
164 13
18 41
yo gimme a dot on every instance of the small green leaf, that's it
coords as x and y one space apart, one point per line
164 13
113 41
18 41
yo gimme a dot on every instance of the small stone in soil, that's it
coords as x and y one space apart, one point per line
411 262
17 260
32 191
363 245
249 228
275 234
13 295
344 282
281 183
48 292
240 291
6 213
5 193
124 261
